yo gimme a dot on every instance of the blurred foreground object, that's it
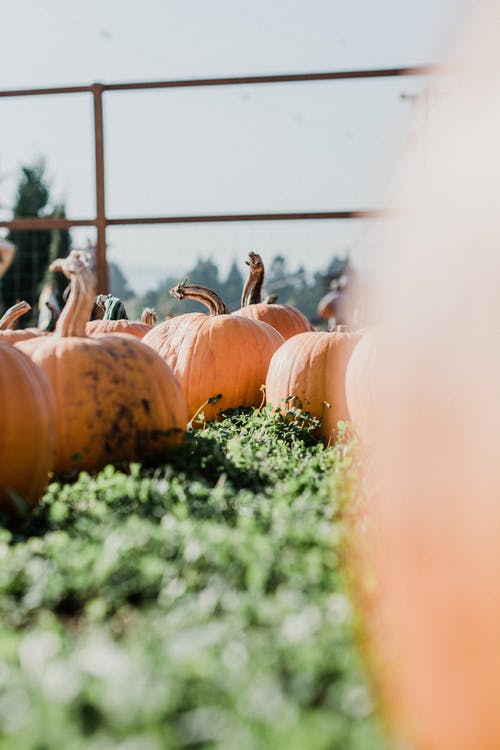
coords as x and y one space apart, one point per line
7 252
344 303
433 545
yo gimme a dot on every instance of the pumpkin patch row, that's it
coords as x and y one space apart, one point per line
86 397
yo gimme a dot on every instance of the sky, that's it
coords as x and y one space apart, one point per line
304 146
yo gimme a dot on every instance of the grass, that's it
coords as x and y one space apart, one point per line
198 605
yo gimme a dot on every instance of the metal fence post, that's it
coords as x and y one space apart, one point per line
101 262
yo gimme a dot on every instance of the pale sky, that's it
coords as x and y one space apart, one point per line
307 146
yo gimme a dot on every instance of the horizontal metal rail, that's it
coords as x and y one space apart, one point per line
230 80
43 222
283 216
26 224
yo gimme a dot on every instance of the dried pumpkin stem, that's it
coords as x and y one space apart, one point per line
340 329
184 290
12 314
98 309
80 302
149 316
252 291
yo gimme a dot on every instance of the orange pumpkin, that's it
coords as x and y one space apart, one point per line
286 319
308 372
27 417
103 327
10 335
215 354
116 399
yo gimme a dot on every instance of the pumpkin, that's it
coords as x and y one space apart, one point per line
27 417
286 319
215 354
116 400
115 319
308 372
10 335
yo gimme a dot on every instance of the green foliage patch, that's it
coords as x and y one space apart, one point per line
198 605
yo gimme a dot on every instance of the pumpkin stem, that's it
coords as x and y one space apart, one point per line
98 309
114 309
12 314
185 290
252 291
80 302
271 299
340 329
149 316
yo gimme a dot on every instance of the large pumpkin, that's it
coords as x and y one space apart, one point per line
27 422
11 335
286 319
116 399
215 354
308 372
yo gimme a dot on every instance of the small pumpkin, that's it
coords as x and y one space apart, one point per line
9 334
27 417
286 319
116 400
215 354
114 319
308 372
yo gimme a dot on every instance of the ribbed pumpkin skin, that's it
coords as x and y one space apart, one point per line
115 400
286 319
12 336
311 367
27 428
212 354
100 327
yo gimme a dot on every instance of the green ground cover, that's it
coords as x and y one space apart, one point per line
200 605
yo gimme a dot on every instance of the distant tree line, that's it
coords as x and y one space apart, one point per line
291 287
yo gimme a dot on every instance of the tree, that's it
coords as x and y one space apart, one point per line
118 282
24 277
232 287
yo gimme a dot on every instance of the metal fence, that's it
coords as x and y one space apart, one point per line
101 221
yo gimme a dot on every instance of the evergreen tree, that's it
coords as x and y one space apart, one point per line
24 277
278 280
233 287
118 282
206 273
